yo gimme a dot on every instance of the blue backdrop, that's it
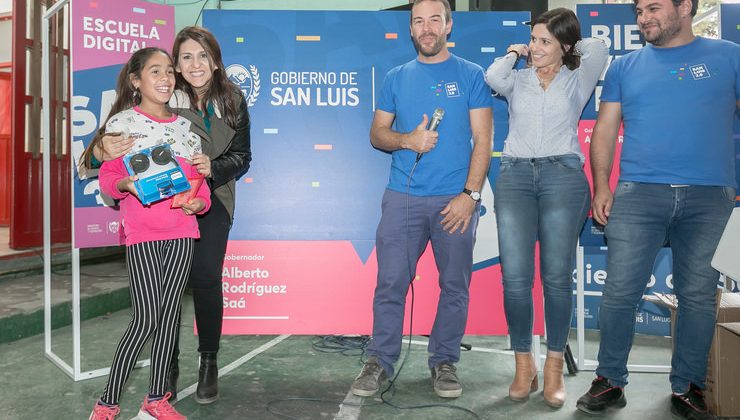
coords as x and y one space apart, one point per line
315 175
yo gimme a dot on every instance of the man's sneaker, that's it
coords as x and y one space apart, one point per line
690 405
104 412
446 383
601 396
159 410
367 383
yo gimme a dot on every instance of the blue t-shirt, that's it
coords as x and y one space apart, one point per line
678 106
414 89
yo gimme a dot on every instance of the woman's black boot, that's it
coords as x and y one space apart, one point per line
207 391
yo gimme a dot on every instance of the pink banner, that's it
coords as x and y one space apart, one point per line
104 35
106 32
98 226
323 287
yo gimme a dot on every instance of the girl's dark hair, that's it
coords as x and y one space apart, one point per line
564 26
126 95
220 89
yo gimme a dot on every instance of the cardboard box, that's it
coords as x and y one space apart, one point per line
723 372
722 391
723 375
159 174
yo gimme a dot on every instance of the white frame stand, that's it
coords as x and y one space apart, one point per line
74 371
583 363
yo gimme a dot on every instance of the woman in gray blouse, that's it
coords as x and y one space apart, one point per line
541 191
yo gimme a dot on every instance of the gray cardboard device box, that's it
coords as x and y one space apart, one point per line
723 375
722 393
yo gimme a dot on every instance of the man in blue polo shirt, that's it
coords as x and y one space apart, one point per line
433 194
677 97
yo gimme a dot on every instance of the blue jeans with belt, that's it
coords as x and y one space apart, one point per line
547 199
407 225
644 217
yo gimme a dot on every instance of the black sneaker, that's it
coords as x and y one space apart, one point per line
601 396
690 405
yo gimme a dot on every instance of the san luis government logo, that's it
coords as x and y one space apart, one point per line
247 80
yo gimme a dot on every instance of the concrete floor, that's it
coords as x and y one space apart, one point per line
282 372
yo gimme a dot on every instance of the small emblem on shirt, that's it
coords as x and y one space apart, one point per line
699 71
452 89
437 88
680 74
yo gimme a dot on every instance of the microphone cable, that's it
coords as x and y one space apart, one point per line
342 344
338 344
412 273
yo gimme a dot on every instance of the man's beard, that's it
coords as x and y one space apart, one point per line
665 34
439 44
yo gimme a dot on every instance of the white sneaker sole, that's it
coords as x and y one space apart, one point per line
448 394
363 392
144 416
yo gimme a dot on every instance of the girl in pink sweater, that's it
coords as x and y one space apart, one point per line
159 238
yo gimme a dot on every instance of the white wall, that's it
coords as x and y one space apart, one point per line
187 14
6 31
570 4
6 36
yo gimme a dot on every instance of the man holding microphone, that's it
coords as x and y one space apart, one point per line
433 194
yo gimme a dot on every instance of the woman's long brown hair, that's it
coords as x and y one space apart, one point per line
221 90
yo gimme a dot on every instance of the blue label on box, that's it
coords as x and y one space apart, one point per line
160 176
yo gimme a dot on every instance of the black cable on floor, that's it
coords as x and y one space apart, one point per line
391 384
412 272
271 410
334 345
341 344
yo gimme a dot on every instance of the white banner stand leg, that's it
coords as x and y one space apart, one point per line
591 365
73 371
583 364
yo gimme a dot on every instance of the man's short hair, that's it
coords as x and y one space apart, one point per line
445 3
676 3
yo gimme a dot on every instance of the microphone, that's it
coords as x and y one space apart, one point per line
439 113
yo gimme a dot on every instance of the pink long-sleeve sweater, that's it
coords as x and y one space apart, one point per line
157 221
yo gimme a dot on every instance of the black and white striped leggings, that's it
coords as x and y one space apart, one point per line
158 272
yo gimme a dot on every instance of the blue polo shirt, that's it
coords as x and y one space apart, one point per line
679 107
414 89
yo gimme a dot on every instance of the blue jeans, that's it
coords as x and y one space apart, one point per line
546 199
644 217
407 224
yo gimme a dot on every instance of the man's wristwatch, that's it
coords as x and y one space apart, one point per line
475 195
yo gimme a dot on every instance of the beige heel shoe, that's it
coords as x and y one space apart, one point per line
525 378
554 388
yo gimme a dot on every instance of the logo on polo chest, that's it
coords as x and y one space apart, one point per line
699 71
